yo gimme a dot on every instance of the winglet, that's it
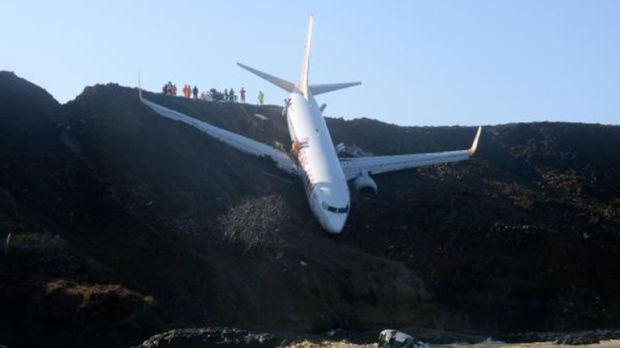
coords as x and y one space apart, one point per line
474 145
139 86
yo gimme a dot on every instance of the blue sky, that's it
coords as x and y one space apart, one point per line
421 62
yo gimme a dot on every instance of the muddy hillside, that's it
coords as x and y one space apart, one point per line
116 224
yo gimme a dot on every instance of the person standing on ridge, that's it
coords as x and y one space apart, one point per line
173 90
242 94
261 97
195 91
168 88
231 95
225 95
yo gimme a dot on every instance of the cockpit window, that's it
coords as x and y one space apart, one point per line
334 209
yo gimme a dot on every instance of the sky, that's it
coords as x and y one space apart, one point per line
420 62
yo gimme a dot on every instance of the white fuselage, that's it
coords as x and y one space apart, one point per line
319 167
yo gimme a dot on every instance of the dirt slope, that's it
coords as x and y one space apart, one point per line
128 223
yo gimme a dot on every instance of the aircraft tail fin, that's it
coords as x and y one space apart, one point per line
303 80
285 85
330 87
303 86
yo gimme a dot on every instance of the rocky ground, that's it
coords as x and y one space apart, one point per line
118 224
345 344
207 337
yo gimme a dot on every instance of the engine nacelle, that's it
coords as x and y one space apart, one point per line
365 184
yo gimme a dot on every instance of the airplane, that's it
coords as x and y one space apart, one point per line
313 157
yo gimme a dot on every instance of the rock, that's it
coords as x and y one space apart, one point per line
579 339
210 337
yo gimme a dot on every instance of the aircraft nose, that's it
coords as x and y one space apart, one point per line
334 223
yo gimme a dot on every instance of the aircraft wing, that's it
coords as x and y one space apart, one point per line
352 167
239 142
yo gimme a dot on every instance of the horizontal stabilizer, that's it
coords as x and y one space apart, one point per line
285 85
330 87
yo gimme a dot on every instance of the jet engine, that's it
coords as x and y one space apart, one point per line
365 184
